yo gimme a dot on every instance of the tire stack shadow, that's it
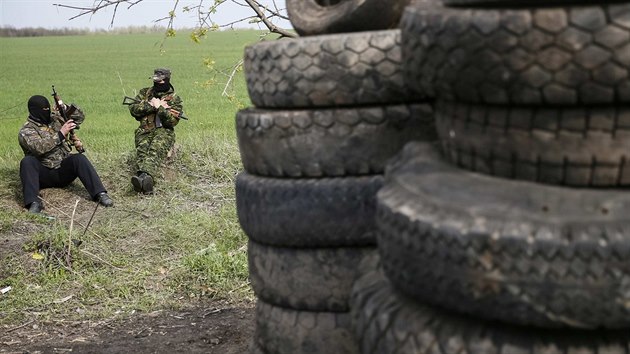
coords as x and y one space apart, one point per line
512 235
330 110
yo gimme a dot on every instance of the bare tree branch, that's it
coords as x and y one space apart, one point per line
260 14
264 14
231 76
99 6
270 25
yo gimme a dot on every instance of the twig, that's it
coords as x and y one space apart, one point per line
146 216
211 312
139 332
66 214
68 254
239 288
101 5
90 221
272 27
99 259
231 76
169 27
203 16
121 83
20 326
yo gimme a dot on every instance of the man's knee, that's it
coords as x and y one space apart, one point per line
77 158
28 160
77 161
29 163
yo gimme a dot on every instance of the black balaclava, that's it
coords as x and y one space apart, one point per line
39 109
157 87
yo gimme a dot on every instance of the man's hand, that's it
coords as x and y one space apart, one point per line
67 127
155 102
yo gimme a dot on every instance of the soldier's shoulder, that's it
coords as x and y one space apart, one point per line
175 97
28 125
28 129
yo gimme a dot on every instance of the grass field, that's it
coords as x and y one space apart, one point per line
148 252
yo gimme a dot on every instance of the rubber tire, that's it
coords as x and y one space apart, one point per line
387 322
255 349
532 56
310 279
349 69
328 142
311 212
309 17
581 147
519 252
285 331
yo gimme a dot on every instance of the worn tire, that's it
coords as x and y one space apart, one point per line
310 279
286 331
310 212
519 252
255 349
312 17
580 146
531 55
327 71
328 142
386 322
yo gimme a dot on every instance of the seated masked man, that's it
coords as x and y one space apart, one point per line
48 162
158 109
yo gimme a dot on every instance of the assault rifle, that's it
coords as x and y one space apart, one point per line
130 100
66 114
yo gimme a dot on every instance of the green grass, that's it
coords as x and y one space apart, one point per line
147 253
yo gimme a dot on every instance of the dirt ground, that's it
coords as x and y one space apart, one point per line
204 327
208 328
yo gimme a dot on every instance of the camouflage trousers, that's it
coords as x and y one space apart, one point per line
152 148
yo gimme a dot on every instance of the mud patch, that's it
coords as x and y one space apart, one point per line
210 328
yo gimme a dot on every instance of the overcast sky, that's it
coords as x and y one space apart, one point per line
43 13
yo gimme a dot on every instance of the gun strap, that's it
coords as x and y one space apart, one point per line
147 123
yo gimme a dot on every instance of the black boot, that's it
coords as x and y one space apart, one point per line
142 183
104 199
147 183
136 182
36 208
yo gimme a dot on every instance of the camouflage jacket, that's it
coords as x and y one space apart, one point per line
150 117
45 142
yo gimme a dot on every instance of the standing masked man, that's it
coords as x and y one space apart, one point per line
47 161
158 109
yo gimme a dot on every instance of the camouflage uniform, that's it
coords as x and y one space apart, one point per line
47 161
155 135
44 141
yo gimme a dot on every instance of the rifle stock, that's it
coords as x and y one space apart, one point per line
129 100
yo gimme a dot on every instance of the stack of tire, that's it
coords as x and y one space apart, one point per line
331 107
512 235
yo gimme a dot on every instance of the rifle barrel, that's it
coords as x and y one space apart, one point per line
58 104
